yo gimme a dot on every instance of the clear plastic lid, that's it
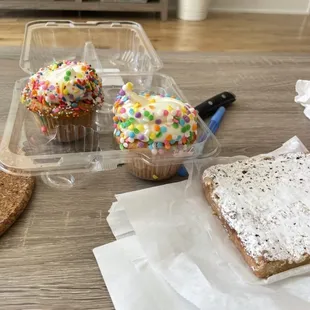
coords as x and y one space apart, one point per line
24 149
108 46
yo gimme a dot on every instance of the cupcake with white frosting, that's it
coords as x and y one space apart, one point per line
155 126
64 95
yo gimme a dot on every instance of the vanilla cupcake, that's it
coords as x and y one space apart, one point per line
63 98
155 127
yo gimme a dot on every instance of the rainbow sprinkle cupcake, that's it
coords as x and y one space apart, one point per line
64 95
154 125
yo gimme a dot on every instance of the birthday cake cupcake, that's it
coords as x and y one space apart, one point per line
63 98
154 126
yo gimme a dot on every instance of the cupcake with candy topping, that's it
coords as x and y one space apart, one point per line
64 95
155 125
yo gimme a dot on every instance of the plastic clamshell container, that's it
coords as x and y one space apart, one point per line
25 150
108 46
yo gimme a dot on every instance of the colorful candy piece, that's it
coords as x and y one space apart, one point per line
138 115
169 137
43 129
156 127
163 129
140 127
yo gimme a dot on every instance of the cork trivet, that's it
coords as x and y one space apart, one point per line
15 193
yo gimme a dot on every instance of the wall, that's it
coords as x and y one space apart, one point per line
258 6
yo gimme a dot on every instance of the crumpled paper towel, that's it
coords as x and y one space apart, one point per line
176 232
303 97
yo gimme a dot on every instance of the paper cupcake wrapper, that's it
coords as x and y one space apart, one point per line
152 172
65 129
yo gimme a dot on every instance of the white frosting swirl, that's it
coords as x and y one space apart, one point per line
153 119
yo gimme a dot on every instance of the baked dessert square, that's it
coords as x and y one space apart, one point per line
264 205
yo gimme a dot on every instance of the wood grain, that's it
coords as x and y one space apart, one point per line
46 259
220 32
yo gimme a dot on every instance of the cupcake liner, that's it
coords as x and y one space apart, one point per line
142 169
39 145
152 173
66 129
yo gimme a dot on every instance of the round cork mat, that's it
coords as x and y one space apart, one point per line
15 193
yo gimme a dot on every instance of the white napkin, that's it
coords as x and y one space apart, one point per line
303 97
177 233
118 221
131 281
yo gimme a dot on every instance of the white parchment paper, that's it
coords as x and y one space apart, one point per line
132 282
187 247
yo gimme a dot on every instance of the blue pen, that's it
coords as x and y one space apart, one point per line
216 120
213 126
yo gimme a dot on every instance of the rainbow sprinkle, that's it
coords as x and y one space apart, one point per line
77 90
162 124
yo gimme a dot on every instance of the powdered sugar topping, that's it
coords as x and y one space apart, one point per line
266 200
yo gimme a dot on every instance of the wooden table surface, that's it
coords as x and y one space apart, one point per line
46 259
219 32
